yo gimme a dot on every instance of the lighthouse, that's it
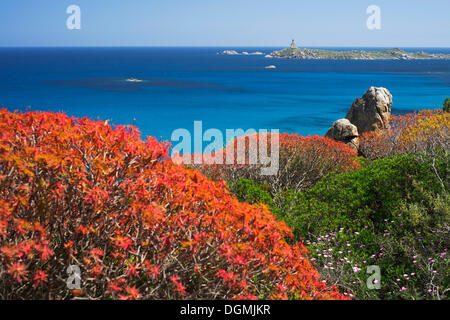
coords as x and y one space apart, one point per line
293 45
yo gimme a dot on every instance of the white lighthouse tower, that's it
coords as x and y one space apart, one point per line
293 45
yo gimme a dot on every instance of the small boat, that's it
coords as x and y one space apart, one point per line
271 67
133 80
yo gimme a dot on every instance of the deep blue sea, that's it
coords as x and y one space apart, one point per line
186 84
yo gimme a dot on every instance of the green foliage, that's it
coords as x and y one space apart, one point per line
366 196
393 213
412 257
250 192
446 107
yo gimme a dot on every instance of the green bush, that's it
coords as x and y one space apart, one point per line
446 107
413 259
369 195
392 213
250 192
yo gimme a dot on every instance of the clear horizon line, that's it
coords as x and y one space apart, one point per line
217 46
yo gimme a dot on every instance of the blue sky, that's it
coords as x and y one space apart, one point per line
404 23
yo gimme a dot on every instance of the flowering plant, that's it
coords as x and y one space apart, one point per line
81 192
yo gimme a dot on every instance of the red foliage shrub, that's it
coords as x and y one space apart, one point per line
79 192
302 162
423 131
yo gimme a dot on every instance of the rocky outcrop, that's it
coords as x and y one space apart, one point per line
244 53
344 131
230 52
372 111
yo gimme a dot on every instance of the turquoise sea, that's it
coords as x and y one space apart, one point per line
182 85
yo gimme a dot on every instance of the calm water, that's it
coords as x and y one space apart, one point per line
187 84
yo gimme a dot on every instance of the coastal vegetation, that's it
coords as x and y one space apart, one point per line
390 210
392 213
77 192
302 162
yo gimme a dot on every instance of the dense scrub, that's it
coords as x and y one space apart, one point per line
302 162
423 131
79 192
393 213
368 195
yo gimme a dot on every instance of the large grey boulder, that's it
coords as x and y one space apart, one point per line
371 112
344 131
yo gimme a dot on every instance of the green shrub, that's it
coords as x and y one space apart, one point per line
366 196
250 192
392 213
412 259
446 107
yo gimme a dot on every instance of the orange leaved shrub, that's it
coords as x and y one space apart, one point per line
77 192
303 161
425 131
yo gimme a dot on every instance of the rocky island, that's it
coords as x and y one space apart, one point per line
388 54
293 52
244 53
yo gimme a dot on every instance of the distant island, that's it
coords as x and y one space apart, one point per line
244 53
293 52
